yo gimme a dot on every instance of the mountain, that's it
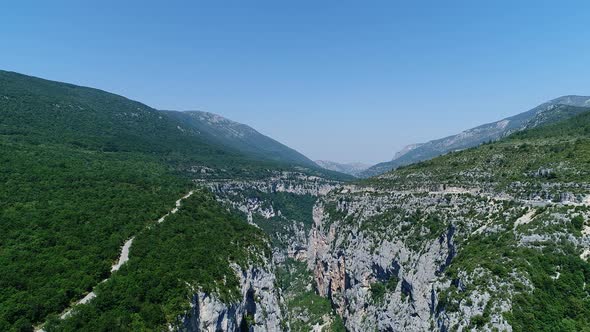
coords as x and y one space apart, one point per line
490 238
39 111
239 137
406 149
545 113
353 169
93 182
83 172
119 217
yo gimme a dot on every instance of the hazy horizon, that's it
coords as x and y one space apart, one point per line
336 81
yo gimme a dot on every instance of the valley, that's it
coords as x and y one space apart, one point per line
294 166
120 217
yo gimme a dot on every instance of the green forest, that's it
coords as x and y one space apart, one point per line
191 247
66 214
82 171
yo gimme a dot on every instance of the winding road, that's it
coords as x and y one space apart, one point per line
123 258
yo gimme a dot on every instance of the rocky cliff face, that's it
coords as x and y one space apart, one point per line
481 239
349 264
276 202
475 240
289 182
257 310
410 259
387 260
282 206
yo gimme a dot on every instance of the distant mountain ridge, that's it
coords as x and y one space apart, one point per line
406 149
238 136
546 113
38 110
353 169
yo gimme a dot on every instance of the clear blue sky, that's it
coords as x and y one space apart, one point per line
338 80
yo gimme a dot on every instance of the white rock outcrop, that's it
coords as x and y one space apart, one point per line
257 310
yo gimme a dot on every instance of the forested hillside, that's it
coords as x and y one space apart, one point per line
189 251
65 212
84 170
219 130
37 111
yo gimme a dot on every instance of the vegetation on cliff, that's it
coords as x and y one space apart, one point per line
191 250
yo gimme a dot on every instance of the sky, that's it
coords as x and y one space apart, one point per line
336 80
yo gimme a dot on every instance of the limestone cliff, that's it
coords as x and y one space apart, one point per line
383 258
257 310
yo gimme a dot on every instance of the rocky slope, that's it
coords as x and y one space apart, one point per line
281 205
405 150
275 204
257 310
382 258
481 239
546 113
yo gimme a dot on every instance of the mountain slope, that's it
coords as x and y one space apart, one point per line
35 110
239 137
495 237
353 169
83 171
549 112
405 150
